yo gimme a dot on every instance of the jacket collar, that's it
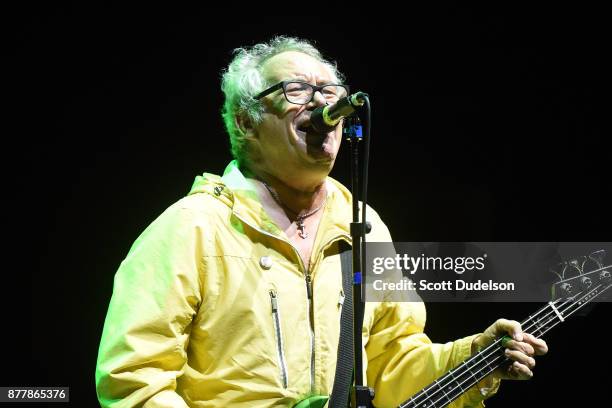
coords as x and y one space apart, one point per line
242 197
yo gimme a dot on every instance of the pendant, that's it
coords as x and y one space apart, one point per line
301 228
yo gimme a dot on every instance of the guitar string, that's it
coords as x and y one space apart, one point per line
495 360
547 329
487 364
491 347
494 345
527 321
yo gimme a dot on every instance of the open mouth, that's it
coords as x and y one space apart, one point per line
318 145
305 127
312 137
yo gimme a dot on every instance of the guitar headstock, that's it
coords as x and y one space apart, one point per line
583 278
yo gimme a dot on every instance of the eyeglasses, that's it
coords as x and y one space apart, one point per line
301 93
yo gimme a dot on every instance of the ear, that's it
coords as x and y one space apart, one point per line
245 125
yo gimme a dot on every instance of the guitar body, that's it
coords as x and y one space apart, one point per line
314 401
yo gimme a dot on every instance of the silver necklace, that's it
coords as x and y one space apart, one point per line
299 219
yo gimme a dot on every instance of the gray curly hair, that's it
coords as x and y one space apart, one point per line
242 80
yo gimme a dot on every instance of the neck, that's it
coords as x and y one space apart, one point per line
298 199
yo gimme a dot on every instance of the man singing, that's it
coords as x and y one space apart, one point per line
232 297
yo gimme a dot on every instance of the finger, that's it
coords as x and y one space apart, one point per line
520 357
512 327
522 346
539 345
512 372
520 371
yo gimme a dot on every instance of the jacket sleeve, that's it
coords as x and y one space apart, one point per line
156 294
400 358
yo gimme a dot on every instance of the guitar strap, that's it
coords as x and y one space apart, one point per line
344 366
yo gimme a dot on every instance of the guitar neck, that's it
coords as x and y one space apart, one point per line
457 381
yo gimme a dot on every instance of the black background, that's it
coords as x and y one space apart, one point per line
488 126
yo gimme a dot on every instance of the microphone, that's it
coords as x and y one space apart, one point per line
325 118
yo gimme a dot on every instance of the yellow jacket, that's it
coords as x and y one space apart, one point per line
210 309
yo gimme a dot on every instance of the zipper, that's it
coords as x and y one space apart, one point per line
308 280
279 339
311 329
275 312
340 304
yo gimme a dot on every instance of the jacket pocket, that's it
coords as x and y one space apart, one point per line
278 332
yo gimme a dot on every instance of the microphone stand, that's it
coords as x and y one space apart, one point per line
361 395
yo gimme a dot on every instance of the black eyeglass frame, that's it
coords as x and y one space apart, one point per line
283 85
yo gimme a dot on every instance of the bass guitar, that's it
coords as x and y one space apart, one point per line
574 290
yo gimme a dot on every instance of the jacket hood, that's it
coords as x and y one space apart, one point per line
234 190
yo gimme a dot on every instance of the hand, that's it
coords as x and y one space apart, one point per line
520 349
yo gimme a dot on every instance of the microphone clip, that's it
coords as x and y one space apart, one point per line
351 128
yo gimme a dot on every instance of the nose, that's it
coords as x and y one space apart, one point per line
318 100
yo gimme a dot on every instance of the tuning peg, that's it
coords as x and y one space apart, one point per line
559 269
567 288
576 264
598 257
604 276
586 282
